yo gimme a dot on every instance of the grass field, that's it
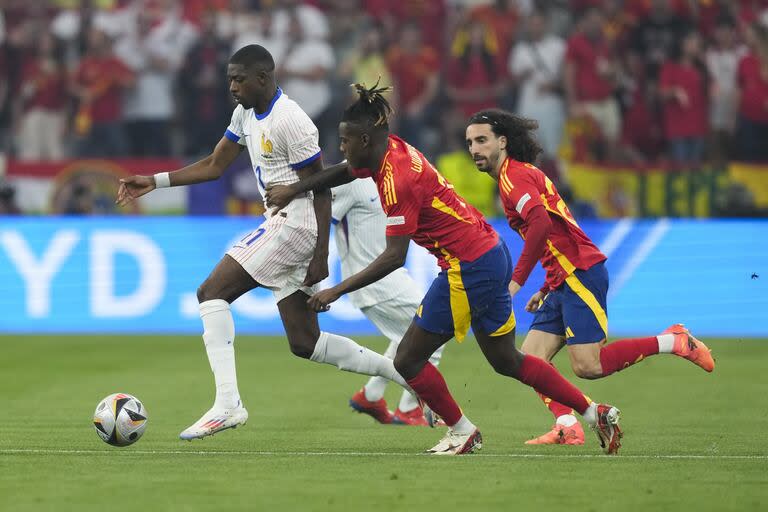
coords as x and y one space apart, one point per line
693 441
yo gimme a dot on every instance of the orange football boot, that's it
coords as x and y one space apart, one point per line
560 434
688 347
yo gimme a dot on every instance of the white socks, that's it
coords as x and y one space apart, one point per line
375 387
219 338
590 415
347 355
463 426
666 343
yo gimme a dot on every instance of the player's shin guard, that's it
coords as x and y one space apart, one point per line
347 355
431 387
219 338
547 381
622 354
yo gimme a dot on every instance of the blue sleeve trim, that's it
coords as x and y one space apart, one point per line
232 136
306 162
334 221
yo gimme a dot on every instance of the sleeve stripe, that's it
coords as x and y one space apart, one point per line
232 136
521 203
306 162
334 221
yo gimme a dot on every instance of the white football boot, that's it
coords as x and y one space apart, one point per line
454 443
216 420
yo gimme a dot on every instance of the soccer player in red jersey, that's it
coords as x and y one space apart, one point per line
570 308
471 289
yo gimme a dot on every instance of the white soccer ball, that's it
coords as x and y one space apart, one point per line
120 419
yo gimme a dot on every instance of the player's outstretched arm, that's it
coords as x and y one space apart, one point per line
208 169
278 196
387 262
318 266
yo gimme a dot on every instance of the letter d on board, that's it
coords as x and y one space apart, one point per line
105 303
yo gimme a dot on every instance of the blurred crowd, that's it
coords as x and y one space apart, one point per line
641 82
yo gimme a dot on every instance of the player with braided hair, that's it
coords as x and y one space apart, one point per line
471 288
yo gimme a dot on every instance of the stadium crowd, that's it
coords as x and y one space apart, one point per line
640 82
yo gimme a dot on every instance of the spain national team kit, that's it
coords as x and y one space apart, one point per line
576 277
471 289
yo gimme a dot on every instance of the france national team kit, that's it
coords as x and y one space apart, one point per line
280 141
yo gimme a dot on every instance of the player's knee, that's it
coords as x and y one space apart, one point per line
204 293
405 365
302 344
587 369
509 365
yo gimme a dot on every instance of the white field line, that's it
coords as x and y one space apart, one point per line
641 253
257 453
616 236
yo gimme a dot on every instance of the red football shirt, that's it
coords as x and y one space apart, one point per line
102 76
420 203
680 120
522 187
586 56
754 90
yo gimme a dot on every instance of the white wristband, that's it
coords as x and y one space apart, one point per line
162 180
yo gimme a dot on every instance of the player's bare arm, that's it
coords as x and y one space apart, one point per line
208 169
390 260
318 266
278 196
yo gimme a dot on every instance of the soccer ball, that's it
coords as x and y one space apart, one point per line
120 419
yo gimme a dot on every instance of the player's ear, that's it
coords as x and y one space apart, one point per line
502 141
365 139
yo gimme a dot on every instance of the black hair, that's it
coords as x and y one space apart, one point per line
253 55
371 108
521 145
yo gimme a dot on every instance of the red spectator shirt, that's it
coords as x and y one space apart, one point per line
411 72
522 187
680 120
585 56
754 90
49 86
420 203
102 76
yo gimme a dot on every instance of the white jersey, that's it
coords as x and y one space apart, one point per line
360 238
280 141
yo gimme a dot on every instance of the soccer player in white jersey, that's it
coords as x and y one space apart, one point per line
288 253
389 303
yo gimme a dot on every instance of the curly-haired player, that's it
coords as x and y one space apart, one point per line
570 308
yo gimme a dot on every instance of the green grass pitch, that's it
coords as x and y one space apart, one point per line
693 441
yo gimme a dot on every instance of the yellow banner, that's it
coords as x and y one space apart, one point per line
619 192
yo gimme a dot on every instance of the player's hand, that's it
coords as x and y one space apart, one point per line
278 196
317 270
133 187
534 302
321 301
513 288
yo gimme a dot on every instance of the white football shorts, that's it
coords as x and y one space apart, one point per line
277 255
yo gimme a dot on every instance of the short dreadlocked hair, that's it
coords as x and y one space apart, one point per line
520 142
371 108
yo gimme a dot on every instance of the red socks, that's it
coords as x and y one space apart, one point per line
622 354
548 382
431 387
556 408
